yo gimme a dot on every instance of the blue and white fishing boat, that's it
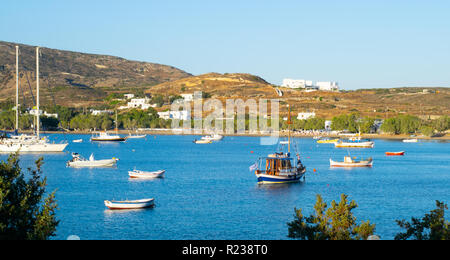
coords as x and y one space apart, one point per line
280 167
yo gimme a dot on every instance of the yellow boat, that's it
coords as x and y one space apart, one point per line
327 141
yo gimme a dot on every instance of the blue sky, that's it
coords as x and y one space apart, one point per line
360 44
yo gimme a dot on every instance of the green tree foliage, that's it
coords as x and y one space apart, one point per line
24 212
403 124
441 124
334 223
432 226
346 122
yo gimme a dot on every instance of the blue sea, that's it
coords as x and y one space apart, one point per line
209 193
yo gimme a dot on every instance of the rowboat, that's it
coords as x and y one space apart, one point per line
395 153
78 141
349 162
136 136
136 174
78 162
130 204
201 141
327 141
411 140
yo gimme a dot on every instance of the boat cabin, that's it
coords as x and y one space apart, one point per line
279 164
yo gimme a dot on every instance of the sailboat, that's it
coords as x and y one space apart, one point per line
280 167
29 143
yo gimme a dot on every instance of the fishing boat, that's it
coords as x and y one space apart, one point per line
414 140
136 174
214 137
354 143
395 153
201 141
327 141
130 204
29 143
280 167
78 162
105 137
349 162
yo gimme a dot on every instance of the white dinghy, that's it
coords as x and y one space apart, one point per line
78 161
136 174
130 204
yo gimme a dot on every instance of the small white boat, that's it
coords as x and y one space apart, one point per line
130 204
136 174
78 141
349 162
136 136
78 162
201 141
317 137
411 140
214 137
105 137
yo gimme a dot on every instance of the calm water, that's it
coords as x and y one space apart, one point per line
209 193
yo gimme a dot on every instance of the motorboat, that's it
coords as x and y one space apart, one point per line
137 174
395 153
414 140
78 141
327 141
354 143
214 137
201 141
130 204
136 136
279 167
79 162
349 162
106 137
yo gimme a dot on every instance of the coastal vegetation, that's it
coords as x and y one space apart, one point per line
339 223
25 212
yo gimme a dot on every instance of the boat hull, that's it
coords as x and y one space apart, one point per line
146 175
32 148
395 153
127 205
277 179
93 164
351 165
354 145
119 139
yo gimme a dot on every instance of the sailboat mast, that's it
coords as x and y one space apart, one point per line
289 122
38 121
17 88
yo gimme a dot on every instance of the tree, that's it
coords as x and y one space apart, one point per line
24 212
432 226
335 223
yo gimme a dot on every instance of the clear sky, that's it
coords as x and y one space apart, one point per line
360 44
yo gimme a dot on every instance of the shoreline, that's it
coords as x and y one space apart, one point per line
296 135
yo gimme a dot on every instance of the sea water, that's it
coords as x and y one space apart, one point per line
208 191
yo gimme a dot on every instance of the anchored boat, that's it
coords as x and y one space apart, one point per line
214 137
414 140
105 137
327 141
130 204
78 162
280 167
354 143
349 162
136 174
395 153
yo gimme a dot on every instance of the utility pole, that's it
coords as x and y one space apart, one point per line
38 121
17 88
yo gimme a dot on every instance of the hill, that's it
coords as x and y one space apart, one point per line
77 79
368 102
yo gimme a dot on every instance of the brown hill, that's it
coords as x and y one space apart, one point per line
72 78
373 102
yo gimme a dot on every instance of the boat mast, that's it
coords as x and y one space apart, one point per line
289 122
38 121
17 87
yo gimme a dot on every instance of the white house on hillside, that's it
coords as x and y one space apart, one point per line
297 83
328 86
142 103
306 115
180 115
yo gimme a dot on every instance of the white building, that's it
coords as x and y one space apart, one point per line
99 112
187 97
128 96
34 113
296 83
328 86
306 115
180 115
142 103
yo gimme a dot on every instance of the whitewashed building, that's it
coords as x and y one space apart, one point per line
180 115
306 115
142 103
327 86
99 112
34 113
297 83
128 96
187 97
